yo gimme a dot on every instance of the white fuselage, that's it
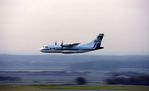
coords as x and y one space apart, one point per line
59 49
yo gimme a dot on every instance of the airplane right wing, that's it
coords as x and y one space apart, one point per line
70 45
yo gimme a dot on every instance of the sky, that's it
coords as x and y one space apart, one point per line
26 25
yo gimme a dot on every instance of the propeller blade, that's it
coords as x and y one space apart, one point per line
62 43
55 42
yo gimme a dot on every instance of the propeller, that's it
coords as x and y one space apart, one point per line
55 42
62 44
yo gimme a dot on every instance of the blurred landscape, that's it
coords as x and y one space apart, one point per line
74 69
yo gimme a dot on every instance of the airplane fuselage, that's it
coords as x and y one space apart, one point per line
60 49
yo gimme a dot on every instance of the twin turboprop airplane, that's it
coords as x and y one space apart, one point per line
74 48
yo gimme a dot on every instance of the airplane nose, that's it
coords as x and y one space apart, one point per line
41 49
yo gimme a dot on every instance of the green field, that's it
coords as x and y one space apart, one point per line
65 87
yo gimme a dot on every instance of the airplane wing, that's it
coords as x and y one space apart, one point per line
70 45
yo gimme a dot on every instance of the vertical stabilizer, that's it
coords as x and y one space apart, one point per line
97 41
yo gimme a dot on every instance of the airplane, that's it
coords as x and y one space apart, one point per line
74 47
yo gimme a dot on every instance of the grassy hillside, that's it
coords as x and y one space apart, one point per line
47 87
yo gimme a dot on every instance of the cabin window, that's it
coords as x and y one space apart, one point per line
52 48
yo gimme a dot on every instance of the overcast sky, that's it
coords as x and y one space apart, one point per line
26 25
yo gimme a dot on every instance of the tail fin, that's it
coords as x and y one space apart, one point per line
97 41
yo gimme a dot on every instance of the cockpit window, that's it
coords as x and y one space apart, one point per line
45 46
